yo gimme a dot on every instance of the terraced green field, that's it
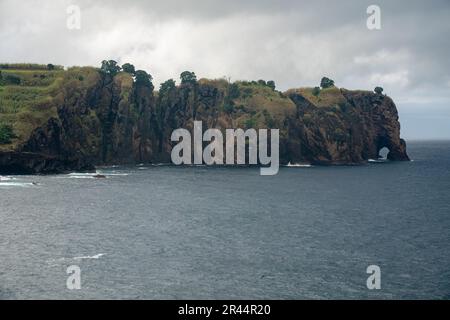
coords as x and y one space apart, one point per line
27 100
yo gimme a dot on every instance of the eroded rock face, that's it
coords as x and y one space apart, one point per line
115 120
381 126
102 124
351 132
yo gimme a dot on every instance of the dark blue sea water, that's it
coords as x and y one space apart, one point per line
161 232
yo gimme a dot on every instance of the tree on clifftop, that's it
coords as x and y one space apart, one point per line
110 67
128 68
144 79
262 82
378 90
166 87
326 83
188 77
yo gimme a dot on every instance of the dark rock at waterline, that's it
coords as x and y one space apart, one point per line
35 163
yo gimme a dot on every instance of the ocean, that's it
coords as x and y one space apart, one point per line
165 232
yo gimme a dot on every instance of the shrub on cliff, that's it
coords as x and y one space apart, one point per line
262 82
228 106
6 133
233 91
326 83
188 77
271 84
12 79
315 91
110 67
166 86
144 79
378 90
128 68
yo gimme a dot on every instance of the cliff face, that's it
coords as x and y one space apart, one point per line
99 120
351 131
95 119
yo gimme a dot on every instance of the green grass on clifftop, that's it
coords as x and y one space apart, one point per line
27 100
30 94
327 97
262 106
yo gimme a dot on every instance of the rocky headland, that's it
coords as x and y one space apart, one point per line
54 120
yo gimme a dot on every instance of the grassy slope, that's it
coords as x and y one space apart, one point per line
262 106
29 104
326 97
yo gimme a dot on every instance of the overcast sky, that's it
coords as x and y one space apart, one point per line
294 43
